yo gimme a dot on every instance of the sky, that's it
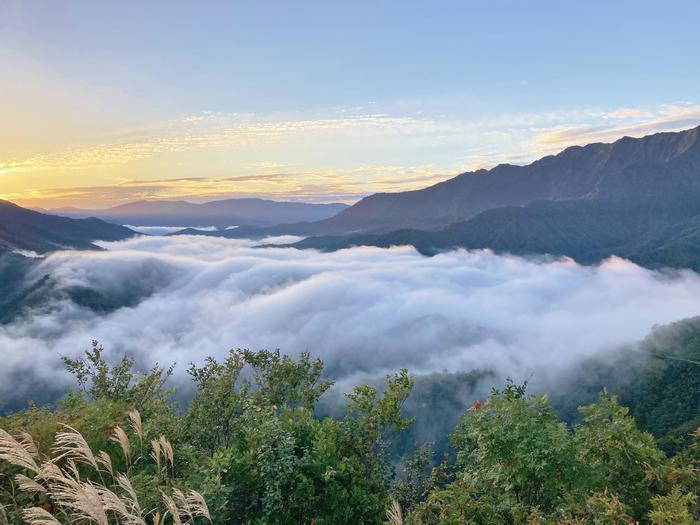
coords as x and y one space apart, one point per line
108 102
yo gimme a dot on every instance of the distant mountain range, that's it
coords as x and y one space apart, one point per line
635 198
23 229
220 213
596 171
593 172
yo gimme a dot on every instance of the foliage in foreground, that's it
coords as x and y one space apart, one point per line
517 463
58 488
250 445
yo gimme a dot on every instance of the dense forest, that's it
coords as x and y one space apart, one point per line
250 447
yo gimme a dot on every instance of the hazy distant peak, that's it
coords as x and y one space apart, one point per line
221 213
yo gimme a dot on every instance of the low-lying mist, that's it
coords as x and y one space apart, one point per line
364 311
165 230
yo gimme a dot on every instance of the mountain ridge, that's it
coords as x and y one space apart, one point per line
578 172
640 200
220 213
29 230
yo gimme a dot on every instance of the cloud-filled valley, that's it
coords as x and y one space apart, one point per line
364 311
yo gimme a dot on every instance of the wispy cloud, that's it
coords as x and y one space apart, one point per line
616 124
205 131
310 186
339 156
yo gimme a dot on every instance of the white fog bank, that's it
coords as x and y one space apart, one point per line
364 311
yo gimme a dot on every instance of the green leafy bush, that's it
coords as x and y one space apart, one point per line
251 442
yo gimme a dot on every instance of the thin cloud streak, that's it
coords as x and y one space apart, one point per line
342 144
191 135
668 118
310 186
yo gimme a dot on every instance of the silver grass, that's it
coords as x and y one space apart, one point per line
167 451
39 516
27 441
72 445
82 498
125 483
15 454
181 502
136 424
50 472
198 505
111 502
72 469
105 460
184 505
172 509
86 501
394 514
156 452
120 437
115 505
27 484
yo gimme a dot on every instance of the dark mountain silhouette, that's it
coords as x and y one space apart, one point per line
635 198
592 171
666 162
221 213
23 229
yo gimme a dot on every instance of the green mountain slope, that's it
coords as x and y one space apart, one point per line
23 229
665 162
648 212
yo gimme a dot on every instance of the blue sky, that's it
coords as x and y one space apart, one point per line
327 100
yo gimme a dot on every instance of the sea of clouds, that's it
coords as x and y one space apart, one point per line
165 230
364 311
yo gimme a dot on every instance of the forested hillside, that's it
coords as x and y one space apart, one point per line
23 229
250 449
651 231
641 178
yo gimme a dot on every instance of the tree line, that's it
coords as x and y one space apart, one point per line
250 448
